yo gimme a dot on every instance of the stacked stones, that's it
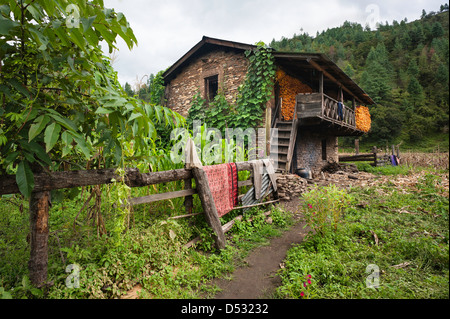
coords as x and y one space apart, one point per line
290 185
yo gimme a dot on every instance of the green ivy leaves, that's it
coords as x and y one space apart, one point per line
251 100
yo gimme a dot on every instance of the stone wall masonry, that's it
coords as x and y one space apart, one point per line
230 66
290 186
309 150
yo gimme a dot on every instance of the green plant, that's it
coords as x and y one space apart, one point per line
61 99
403 231
324 207
251 99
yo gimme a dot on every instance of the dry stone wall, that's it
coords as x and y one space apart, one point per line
230 66
290 186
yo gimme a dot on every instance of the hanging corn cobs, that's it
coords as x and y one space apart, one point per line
289 88
363 121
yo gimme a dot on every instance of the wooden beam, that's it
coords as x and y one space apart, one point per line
69 179
259 204
161 196
332 78
208 205
184 216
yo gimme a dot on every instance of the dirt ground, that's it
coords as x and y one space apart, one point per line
259 278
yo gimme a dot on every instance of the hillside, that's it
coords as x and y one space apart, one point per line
402 65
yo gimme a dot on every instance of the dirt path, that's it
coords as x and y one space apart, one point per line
259 279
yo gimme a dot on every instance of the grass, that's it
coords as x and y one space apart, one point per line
150 253
411 225
404 232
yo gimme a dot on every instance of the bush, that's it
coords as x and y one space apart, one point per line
324 207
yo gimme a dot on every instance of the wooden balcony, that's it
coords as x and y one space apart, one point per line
318 109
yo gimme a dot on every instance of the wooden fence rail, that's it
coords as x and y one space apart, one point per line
47 181
70 179
371 157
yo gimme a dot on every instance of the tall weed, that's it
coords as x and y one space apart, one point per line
324 207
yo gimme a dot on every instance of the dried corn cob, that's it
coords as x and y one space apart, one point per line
289 88
363 120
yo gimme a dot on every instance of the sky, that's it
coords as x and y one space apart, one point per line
167 29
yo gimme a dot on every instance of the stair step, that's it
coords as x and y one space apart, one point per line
279 144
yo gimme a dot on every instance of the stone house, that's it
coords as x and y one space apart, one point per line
314 100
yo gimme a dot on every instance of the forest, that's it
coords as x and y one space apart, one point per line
403 66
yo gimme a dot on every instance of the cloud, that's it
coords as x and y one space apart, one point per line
167 29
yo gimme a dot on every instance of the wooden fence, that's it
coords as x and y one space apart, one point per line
48 181
370 157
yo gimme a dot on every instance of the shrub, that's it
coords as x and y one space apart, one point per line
324 207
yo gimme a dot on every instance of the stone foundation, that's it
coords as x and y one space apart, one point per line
314 150
290 185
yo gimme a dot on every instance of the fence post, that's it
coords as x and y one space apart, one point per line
188 200
374 151
39 212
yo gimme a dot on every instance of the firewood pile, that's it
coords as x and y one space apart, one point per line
290 186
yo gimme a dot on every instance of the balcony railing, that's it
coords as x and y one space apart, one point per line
318 105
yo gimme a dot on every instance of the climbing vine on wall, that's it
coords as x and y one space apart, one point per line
253 94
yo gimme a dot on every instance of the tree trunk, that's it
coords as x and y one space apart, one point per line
39 212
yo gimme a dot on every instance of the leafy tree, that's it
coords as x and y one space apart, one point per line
442 75
376 79
413 69
60 98
157 88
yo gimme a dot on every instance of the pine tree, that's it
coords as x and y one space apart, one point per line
413 69
416 92
437 30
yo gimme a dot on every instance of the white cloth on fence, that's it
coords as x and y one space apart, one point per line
257 168
271 171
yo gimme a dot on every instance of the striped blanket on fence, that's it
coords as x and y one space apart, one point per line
223 183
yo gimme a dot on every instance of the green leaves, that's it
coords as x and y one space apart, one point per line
60 97
51 136
37 127
6 25
25 178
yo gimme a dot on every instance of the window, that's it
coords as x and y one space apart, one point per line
324 150
211 87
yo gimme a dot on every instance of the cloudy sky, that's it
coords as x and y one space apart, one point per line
167 29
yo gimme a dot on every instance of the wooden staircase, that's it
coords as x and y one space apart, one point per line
282 144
